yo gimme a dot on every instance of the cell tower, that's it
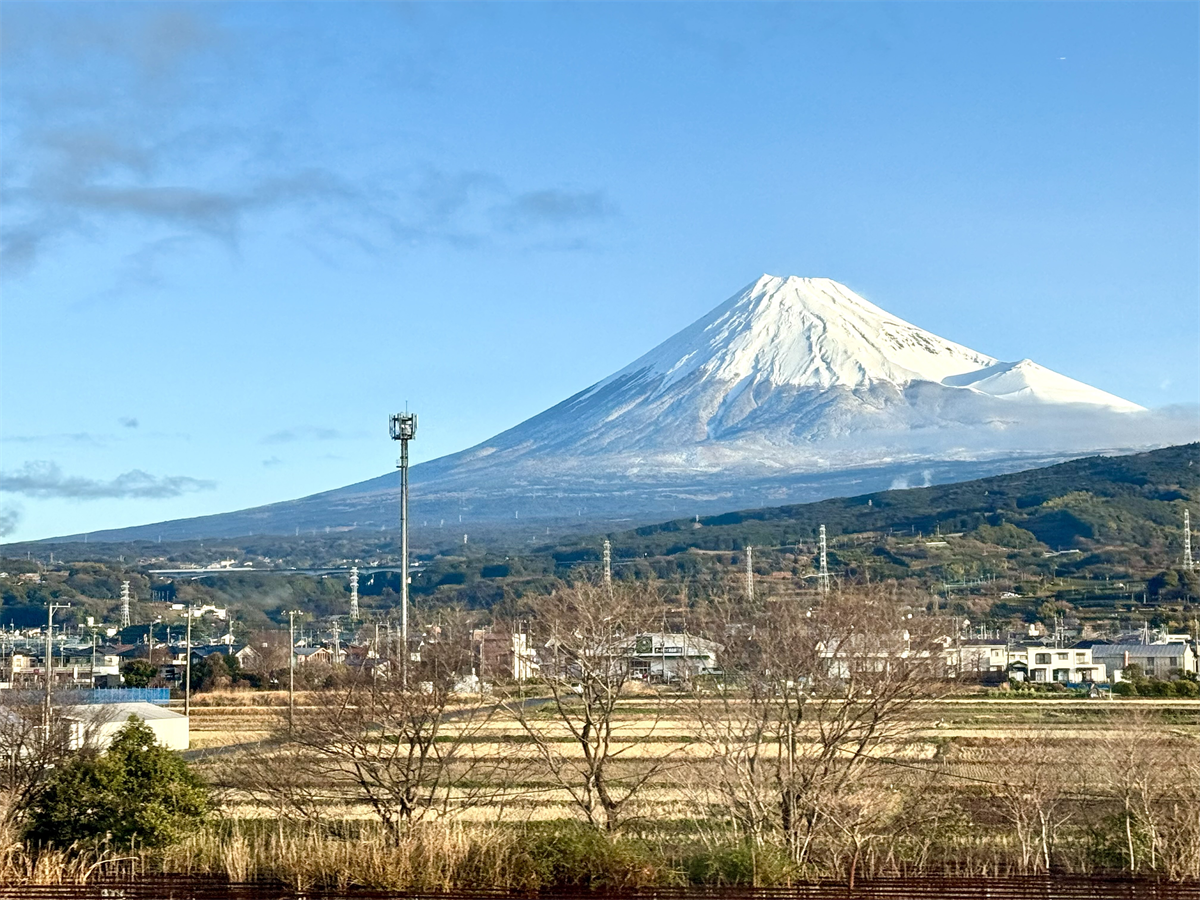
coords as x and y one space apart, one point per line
608 564
124 604
354 593
823 573
1188 565
749 573
403 427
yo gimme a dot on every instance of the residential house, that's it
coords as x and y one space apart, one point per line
504 655
1158 660
1043 662
313 655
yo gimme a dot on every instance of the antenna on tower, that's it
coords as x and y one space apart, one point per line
1188 565
750 573
354 593
608 564
124 604
823 572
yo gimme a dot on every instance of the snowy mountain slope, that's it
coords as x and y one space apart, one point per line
775 372
794 389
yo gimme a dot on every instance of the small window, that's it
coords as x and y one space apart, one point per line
1080 657
1062 656
1172 662
1042 659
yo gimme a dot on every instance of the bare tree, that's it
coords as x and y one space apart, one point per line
1138 766
271 651
34 738
812 693
1181 822
402 752
587 633
1033 796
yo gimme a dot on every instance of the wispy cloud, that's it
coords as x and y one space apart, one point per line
553 207
273 463
128 422
42 479
303 433
77 437
116 127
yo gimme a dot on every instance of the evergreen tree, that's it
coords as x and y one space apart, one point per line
137 793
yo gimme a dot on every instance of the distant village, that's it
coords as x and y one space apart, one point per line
155 665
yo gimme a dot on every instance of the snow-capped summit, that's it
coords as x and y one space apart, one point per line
797 374
817 333
804 332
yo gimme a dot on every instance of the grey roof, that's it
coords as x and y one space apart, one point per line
1142 650
119 712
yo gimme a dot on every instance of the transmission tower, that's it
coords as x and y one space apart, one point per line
1188 565
608 564
354 593
124 604
823 573
750 573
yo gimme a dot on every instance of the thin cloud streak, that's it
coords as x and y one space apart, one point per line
303 433
44 480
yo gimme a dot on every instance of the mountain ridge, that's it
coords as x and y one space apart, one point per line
793 389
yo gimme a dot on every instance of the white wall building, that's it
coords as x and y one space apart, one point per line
96 724
1026 661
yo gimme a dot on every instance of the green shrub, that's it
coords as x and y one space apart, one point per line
1156 688
740 864
575 855
137 793
1187 689
1124 689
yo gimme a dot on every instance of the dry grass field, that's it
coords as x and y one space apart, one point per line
968 743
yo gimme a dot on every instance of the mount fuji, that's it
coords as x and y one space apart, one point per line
794 389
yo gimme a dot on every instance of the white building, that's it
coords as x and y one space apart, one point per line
667 657
1046 662
1026 661
96 724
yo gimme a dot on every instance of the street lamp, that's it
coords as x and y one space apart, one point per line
403 427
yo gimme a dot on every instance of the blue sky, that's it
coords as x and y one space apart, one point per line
237 236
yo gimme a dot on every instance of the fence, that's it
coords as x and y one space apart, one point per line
157 696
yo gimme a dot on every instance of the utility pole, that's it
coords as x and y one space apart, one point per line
187 665
50 608
124 604
403 427
608 565
750 574
291 669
